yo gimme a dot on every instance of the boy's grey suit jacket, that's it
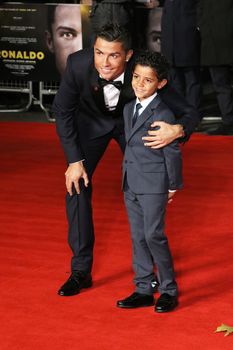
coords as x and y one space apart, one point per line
150 170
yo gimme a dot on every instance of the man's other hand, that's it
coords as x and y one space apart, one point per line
73 174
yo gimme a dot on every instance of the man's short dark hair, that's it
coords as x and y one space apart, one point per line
113 32
154 60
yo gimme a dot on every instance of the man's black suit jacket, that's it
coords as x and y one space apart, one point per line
80 110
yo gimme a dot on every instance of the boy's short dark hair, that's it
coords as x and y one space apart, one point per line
156 61
113 32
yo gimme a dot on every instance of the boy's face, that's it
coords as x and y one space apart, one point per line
145 82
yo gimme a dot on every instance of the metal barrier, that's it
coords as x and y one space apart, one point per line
17 86
212 118
19 103
47 89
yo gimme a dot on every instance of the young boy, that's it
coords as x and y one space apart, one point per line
150 179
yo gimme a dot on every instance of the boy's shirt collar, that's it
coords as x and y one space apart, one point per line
145 102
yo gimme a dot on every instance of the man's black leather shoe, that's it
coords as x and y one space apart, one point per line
166 303
75 283
136 300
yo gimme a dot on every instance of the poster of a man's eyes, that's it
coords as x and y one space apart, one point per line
36 39
154 29
64 34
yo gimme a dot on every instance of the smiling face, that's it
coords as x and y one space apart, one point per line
110 58
66 36
145 82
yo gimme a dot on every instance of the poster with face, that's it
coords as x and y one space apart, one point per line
36 39
154 29
148 18
64 33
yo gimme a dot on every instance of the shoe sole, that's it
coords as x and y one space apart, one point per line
134 307
163 311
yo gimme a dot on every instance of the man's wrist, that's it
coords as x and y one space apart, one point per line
180 131
78 161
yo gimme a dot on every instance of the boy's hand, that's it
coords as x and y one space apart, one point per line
170 195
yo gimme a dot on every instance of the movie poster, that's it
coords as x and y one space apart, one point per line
36 39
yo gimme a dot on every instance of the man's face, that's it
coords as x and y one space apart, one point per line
110 58
66 36
145 82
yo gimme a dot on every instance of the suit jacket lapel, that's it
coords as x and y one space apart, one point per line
97 90
144 116
127 93
128 119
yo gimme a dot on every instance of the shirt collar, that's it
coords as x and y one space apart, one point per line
147 100
120 78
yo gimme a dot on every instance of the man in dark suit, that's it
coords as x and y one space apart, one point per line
215 19
180 43
115 11
89 114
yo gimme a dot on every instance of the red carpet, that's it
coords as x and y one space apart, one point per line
35 256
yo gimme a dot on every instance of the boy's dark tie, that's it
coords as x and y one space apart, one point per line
136 114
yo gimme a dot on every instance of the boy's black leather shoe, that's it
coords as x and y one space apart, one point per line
77 281
166 303
136 300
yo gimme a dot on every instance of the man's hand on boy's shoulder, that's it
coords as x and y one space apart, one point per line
163 134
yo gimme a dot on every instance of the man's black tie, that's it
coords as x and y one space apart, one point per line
136 114
103 82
